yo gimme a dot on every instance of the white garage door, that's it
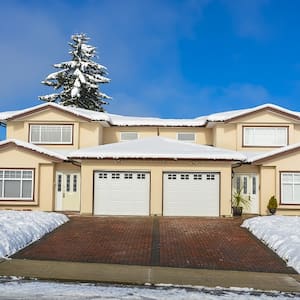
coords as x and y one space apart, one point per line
121 193
191 194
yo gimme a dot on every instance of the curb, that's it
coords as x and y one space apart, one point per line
129 274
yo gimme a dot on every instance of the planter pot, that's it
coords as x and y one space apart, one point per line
237 211
272 211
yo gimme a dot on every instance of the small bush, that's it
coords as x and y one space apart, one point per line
272 203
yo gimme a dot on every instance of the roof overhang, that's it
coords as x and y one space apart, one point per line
53 156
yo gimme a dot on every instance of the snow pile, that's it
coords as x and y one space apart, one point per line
281 234
18 229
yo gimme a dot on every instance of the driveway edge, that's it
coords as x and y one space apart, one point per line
129 274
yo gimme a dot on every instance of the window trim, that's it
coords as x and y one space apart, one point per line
264 126
31 199
186 141
51 124
280 188
126 140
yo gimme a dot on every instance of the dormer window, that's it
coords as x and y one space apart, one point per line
265 136
51 134
186 137
129 136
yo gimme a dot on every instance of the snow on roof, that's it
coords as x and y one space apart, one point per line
80 112
119 120
227 115
272 153
157 147
34 148
8 114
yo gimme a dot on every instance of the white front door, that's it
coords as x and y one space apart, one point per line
247 183
67 191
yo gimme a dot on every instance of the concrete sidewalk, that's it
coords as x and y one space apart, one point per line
130 274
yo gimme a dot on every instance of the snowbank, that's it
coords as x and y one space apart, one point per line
281 234
18 229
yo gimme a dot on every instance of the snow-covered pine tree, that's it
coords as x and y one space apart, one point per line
77 82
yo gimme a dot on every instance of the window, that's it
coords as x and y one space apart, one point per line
115 175
16 184
102 175
265 136
129 136
74 183
68 182
186 137
172 176
197 176
141 176
51 134
254 185
184 176
128 176
210 177
245 185
290 188
59 182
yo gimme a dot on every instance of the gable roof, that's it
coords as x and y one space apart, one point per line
157 148
34 148
234 114
274 153
78 112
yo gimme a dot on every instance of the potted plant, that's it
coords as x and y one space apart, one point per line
238 202
272 205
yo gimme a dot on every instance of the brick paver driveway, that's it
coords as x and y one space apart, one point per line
210 243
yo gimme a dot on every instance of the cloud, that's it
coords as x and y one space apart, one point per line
248 17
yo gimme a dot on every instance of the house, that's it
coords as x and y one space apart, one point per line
58 158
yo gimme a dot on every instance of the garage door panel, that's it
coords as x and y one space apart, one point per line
121 193
191 194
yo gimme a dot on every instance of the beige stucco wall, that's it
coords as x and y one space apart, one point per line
85 133
203 135
270 181
156 169
225 136
90 134
230 135
14 157
113 134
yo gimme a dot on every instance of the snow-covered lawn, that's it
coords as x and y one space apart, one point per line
24 289
281 234
18 229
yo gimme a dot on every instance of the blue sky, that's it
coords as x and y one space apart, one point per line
173 59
